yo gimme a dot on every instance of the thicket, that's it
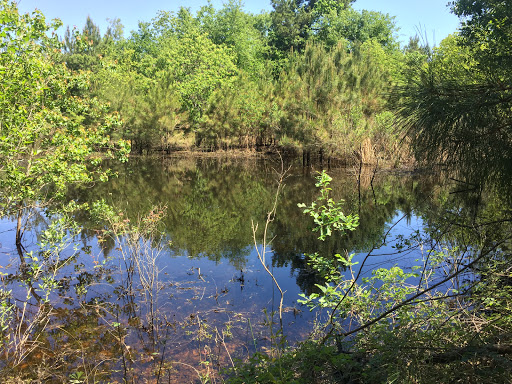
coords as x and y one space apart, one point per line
222 79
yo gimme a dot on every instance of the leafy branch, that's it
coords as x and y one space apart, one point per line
327 214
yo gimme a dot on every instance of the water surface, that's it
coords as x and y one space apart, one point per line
210 287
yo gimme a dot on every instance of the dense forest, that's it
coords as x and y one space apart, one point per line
307 76
316 79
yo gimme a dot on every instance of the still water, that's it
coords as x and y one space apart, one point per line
208 288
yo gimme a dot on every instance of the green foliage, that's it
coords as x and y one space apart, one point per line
44 266
326 7
457 107
326 213
161 79
198 67
290 29
328 98
393 326
235 115
49 135
308 363
295 22
356 27
82 49
6 314
236 29
485 27
150 109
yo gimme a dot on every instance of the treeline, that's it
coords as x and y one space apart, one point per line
309 76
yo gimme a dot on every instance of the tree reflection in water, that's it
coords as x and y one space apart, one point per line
211 288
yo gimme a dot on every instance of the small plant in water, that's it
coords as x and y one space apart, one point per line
327 213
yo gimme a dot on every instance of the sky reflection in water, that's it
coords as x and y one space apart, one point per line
208 268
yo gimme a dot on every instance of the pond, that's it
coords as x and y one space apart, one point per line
198 296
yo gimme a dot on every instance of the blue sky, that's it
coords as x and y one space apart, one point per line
433 17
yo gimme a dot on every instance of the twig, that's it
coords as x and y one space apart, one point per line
226 348
411 299
270 218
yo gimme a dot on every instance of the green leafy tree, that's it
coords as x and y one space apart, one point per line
161 80
236 29
49 137
113 35
235 115
355 27
486 28
150 108
198 67
82 49
91 33
182 23
291 21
